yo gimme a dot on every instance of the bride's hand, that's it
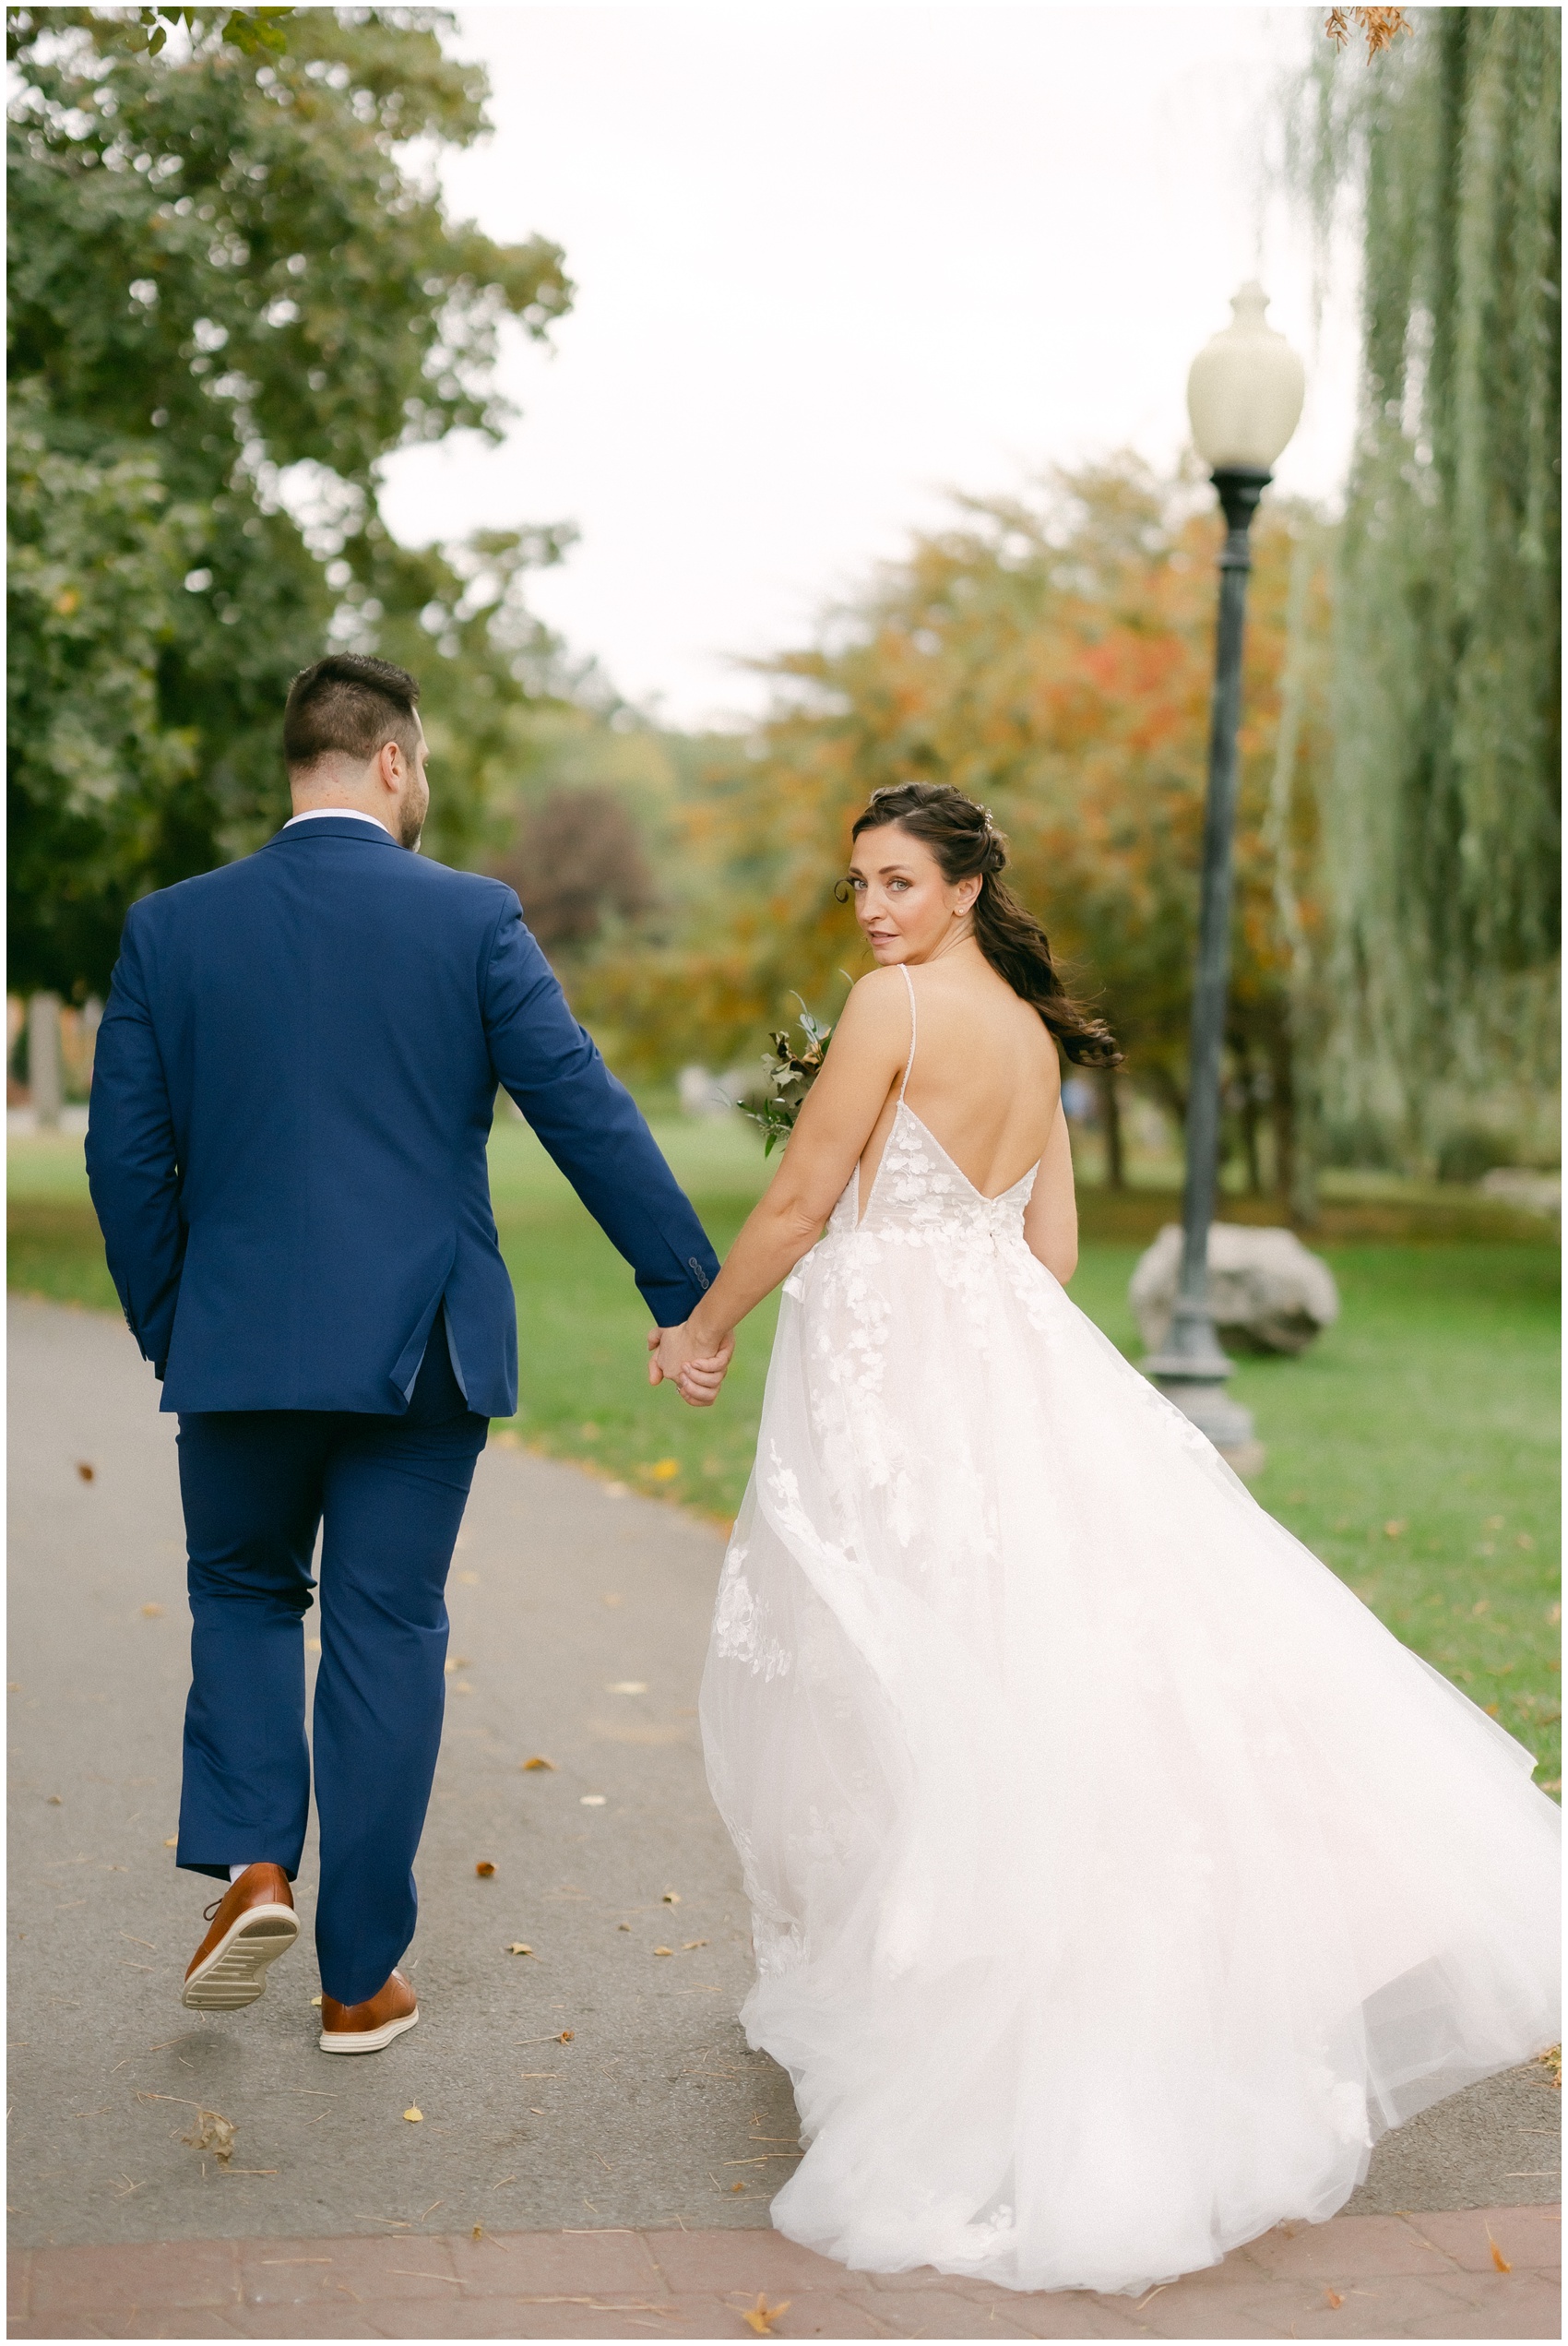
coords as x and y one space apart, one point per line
697 1371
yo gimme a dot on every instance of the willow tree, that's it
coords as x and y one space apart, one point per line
1441 817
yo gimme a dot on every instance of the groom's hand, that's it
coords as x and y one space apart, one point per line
696 1372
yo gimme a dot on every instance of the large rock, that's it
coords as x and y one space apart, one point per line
1528 1192
1267 1293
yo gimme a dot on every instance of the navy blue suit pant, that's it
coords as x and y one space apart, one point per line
387 1494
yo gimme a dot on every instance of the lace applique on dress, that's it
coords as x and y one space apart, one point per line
740 1622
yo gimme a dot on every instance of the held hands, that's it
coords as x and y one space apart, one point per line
696 1369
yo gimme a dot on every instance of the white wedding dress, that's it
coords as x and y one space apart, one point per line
1116 1877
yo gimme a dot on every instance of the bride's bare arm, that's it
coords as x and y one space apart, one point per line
870 1047
1051 1222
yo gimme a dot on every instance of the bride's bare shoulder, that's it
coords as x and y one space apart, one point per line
879 999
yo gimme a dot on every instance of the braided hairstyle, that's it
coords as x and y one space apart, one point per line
963 840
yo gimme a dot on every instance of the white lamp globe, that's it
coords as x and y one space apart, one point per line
1245 389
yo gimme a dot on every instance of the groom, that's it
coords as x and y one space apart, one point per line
291 1102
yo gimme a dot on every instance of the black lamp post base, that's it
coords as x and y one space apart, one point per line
1212 1410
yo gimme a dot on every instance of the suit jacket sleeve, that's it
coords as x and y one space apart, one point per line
132 1163
591 1125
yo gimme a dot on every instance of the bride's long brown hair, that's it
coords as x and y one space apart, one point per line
965 841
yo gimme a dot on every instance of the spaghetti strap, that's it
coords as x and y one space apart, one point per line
908 980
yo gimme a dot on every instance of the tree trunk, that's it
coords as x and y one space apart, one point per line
44 1059
1305 1128
1247 1098
1111 1120
1282 1116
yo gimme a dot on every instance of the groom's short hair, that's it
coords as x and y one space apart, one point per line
350 704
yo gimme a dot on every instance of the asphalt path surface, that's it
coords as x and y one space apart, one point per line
592 2083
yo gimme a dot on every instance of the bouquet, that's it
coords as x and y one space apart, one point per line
790 1074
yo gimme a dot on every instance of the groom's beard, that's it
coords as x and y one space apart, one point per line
411 823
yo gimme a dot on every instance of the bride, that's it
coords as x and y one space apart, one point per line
1116 1877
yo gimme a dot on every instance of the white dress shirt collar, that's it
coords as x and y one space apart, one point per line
351 814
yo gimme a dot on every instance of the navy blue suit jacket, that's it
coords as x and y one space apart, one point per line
291 1096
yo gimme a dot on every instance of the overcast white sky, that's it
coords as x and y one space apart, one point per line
833 259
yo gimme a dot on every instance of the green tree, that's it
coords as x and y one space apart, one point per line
232 293
1441 812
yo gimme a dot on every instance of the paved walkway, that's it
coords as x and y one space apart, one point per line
594 2083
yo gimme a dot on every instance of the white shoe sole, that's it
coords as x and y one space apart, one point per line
234 1974
366 2040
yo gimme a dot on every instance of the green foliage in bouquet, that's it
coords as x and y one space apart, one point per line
790 1075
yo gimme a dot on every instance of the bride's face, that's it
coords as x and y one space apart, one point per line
905 909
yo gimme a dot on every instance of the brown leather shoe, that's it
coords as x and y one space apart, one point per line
369 2026
253 1923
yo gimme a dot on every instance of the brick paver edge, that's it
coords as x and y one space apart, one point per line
94 2281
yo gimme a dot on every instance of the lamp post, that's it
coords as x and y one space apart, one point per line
1245 397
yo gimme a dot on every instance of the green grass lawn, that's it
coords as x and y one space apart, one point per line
1414 1448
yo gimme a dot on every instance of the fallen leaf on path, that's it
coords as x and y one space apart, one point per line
623 1926
591 1800
626 1687
1553 2059
1498 2258
84 1470
538 1760
54 1801
212 2132
414 2116
172 1841
687 1944
762 2316
565 2037
484 1869
1334 2299
664 1951
671 1898
316 1999
518 1947
737 2186
153 1612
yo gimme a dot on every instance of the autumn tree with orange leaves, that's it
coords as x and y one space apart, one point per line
1052 655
